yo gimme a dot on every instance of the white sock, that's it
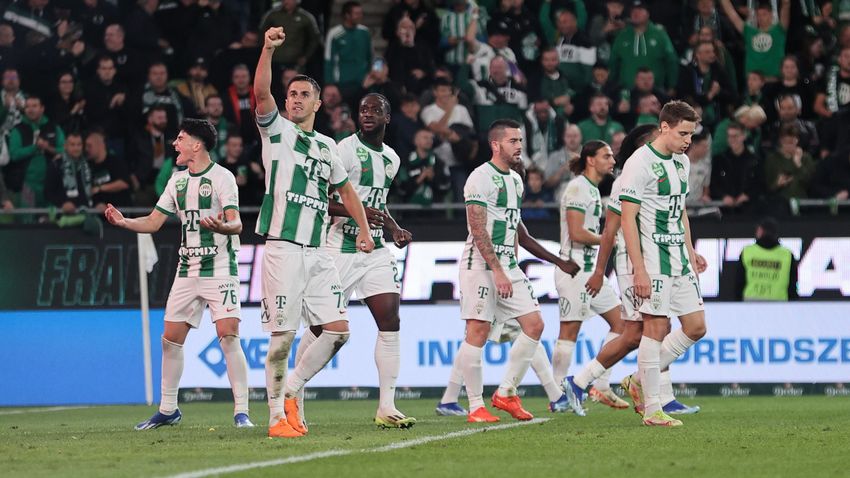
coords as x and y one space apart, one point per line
561 358
237 371
307 338
674 345
666 388
315 358
277 360
469 357
589 373
452 392
172 369
519 358
388 361
649 354
543 369
602 382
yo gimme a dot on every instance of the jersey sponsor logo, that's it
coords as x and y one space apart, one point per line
205 190
658 169
475 197
181 184
628 192
307 201
502 250
668 238
203 251
350 230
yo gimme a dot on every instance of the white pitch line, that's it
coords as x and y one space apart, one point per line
326 454
39 410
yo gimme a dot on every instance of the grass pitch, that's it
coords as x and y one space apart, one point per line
754 436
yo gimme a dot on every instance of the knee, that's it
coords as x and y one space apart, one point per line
339 339
391 323
534 329
633 341
695 331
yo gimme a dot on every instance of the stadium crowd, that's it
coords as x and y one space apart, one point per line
93 91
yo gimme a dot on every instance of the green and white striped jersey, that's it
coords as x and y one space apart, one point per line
581 195
299 167
659 183
622 264
192 197
501 193
371 172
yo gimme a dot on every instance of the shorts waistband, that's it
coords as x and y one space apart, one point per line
303 246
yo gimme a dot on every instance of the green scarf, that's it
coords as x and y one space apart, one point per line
70 168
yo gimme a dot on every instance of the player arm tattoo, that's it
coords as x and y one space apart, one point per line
476 216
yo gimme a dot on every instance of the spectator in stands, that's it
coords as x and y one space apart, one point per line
576 53
129 63
331 99
601 83
832 177
157 93
13 101
246 51
789 114
214 29
214 108
176 20
249 177
599 126
554 86
706 16
67 105
724 57
648 109
195 88
790 83
526 35
410 61
789 169
30 17
426 21
41 59
239 104
832 102
348 52
497 97
147 152
498 36
751 118
105 97
438 117
765 42
734 173
32 143
5 197
644 84
705 83
68 183
302 34
422 178
9 55
378 81
543 132
110 176
755 88
550 9
814 59
142 31
642 43
604 27
94 16
405 125
699 179
535 196
454 24
557 172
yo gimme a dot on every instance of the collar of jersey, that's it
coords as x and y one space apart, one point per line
195 175
662 156
588 180
497 169
308 133
364 143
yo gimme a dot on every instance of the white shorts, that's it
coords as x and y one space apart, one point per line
299 283
480 301
575 304
673 296
190 295
368 274
631 302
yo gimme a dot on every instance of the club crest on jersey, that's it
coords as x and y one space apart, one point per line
389 171
362 154
205 190
325 152
682 176
658 169
498 181
181 184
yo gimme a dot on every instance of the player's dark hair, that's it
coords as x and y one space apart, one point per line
590 148
637 137
200 129
383 99
316 88
498 127
676 111
769 228
644 69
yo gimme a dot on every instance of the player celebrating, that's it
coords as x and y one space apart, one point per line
581 212
205 200
371 166
492 286
615 350
299 280
657 233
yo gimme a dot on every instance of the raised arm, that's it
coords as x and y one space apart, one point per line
606 245
476 217
147 224
274 38
732 15
785 14
354 207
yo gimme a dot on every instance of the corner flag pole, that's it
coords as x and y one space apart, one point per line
145 247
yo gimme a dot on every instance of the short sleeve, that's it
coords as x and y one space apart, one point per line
475 191
166 204
574 198
228 194
269 124
614 204
634 181
339 175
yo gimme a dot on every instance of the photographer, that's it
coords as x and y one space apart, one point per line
32 144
